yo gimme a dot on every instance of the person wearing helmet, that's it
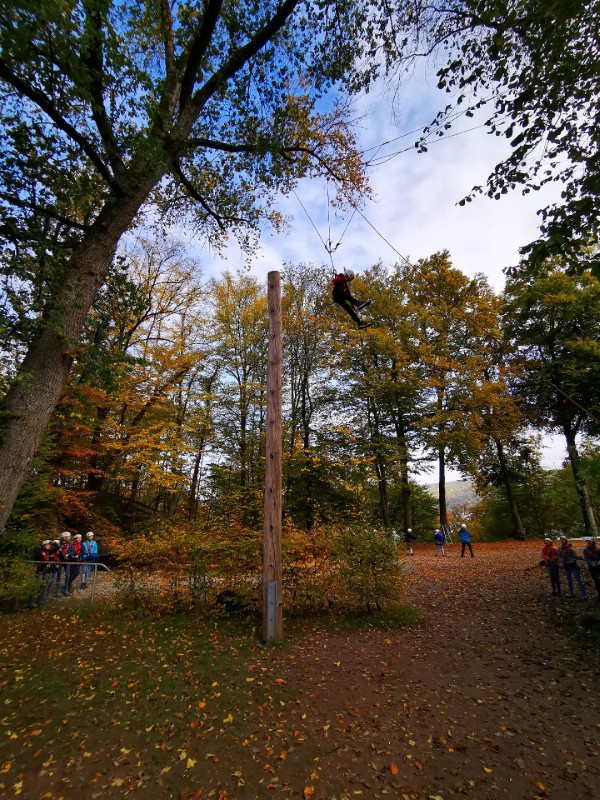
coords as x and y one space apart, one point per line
465 541
343 297
591 556
409 538
89 556
439 538
44 572
569 558
65 554
549 559
76 559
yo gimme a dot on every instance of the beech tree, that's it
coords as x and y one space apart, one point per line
202 107
529 69
553 322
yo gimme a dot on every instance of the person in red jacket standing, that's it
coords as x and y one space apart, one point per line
549 558
343 297
76 559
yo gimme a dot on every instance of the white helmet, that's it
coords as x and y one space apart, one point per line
409 530
349 273
65 535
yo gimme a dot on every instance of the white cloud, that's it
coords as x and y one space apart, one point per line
414 205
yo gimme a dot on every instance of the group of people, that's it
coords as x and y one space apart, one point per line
59 562
439 540
565 556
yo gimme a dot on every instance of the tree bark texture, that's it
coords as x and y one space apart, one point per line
518 530
587 511
31 400
442 487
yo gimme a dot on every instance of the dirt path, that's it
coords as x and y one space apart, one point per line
486 699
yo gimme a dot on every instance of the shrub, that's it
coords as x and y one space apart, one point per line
368 570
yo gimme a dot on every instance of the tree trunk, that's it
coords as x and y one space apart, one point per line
582 492
383 493
403 465
29 403
442 488
518 531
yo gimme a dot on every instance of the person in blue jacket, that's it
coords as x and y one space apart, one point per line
439 538
89 556
465 539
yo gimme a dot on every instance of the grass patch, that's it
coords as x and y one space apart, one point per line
388 619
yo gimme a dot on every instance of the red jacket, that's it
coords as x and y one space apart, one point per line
340 282
549 553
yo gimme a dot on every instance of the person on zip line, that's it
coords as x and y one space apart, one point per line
343 297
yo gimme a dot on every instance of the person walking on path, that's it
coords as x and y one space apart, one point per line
89 557
591 556
549 558
569 558
343 297
465 540
409 538
439 538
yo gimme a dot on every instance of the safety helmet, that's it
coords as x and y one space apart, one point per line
45 542
463 526
437 530
548 539
349 273
90 533
409 530
77 536
65 534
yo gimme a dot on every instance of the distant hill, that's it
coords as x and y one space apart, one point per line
458 493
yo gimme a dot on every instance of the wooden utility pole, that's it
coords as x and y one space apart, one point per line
272 595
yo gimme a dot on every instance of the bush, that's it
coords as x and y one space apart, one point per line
368 570
17 582
182 570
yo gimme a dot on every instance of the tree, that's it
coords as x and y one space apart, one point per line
531 68
553 322
205 108
456 319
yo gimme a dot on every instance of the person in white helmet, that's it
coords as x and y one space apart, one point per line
465 541
409 538
343 297
439 538
89 556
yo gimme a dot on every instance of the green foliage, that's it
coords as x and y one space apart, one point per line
368 567
530 70
17 582
547 499
180 570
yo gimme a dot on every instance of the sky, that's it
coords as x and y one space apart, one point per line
414 206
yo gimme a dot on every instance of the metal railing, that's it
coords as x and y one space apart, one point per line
95 566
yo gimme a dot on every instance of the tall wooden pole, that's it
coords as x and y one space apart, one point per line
272 596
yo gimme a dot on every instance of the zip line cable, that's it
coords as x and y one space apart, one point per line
330 250
572 400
